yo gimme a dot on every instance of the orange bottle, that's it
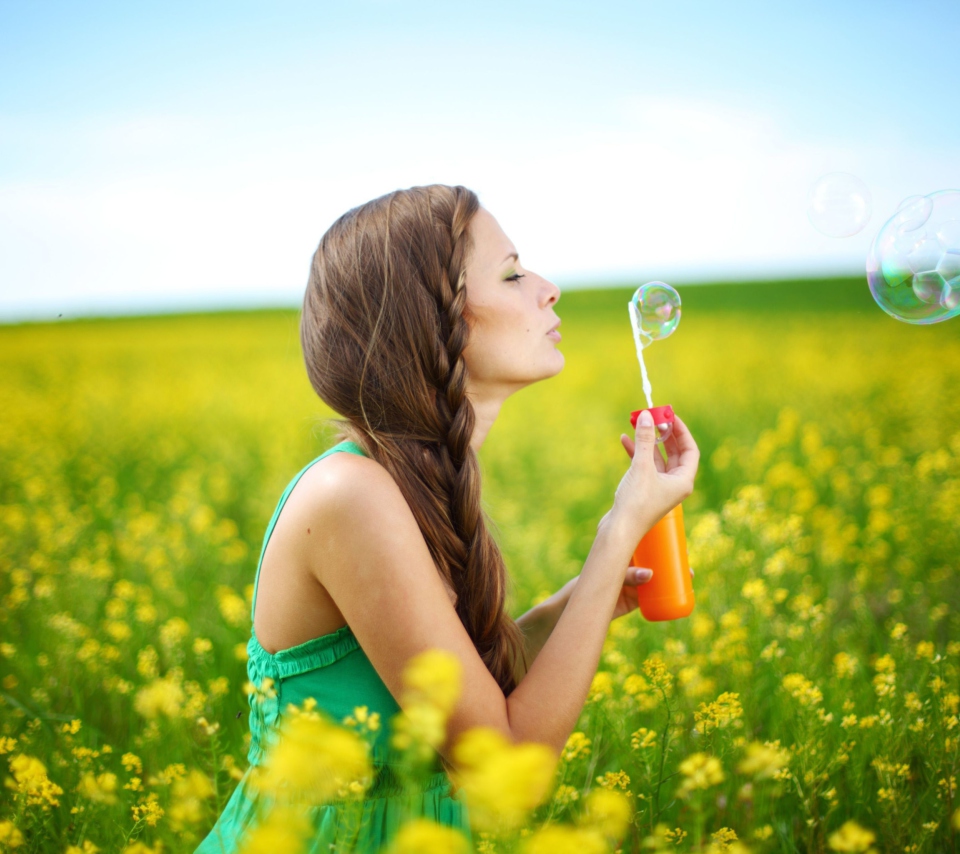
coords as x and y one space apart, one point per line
669 594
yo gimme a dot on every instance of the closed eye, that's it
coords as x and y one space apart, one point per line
514 277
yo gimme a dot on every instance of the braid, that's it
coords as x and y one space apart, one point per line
482 575
399 308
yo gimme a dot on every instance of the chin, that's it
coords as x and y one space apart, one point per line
557 363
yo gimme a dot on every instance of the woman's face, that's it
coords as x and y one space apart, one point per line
513 327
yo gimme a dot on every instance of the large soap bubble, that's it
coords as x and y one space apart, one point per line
839 204
914 263
657 307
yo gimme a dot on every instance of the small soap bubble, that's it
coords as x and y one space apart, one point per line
839 204
913 268
658 309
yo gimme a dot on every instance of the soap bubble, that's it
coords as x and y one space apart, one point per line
913 268
657 307
839 204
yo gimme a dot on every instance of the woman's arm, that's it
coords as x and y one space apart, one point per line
537 623
367 551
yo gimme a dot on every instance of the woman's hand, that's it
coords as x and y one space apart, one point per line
652 486
627 602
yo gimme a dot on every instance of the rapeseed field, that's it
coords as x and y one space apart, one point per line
810 703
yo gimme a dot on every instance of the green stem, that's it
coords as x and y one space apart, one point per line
663 758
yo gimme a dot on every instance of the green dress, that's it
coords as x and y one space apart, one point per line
335 671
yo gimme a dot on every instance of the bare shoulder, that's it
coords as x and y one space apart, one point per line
349 488
350 512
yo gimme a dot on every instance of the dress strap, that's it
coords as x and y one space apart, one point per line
348 447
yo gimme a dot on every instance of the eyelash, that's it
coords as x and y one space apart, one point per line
514 277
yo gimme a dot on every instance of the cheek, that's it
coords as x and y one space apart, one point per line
498 340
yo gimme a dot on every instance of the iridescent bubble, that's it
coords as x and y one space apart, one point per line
839 204
658 309
913 268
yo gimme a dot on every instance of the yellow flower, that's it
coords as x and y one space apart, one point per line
421 728
723 840
285 830
601 687
88 848
562 839
431 688
606 811
657 672
614 780
148 663
643 738
433 677
161 696
502 781
189 794
700 771
10 835
852 837
30 778
148 810
142 848
577 745
844 665
763 761
7 744
232 607
720 713
565 795
801 688
956 820
311 760
100 788
173 631
421 836
201 646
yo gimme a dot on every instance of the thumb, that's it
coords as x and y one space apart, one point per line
646 436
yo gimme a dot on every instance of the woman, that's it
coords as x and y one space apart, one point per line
418 322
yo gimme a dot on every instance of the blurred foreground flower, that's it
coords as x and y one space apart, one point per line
502 781
432 683
606 811
421 836
284 831
313 760
560 839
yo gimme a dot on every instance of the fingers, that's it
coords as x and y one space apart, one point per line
637 575
630 447
689 453
645 438
641 575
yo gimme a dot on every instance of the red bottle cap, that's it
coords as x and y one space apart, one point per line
661 415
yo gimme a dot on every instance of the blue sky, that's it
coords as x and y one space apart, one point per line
166 156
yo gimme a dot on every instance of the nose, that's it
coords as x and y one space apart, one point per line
550 293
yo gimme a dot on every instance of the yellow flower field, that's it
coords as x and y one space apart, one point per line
811 702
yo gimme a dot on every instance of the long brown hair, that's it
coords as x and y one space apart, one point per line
383 331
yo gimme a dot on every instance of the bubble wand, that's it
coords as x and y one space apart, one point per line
654 314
